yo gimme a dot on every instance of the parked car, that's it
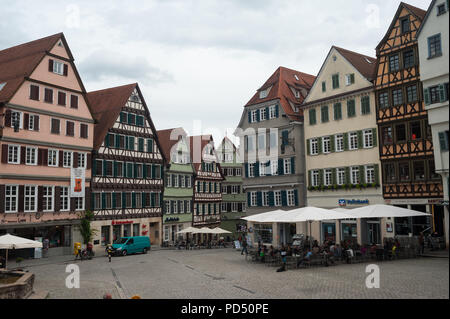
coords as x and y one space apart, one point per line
131 245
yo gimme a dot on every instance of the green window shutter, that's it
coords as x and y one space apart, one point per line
161 171
360 140
113 198
335 79
141 144
115 168
124 200
258 115
103 200
426 94
443 141
107 140
324 114
296 197
257 169
442 93
362 174
280 167
150 145
352 78
324 86
259 198
248 199
285 137
277 113
312 116
333 176
332 144
347 175
104 167
94 167
135 170
308 146
271 199
338 111
143 198
292 165
345 141
249 116
133 200
376 173
131 143
321 177
152 199
365 105
246 169
122 117
351 108
130 116
375 137
319 144
309 178
283 198
144 170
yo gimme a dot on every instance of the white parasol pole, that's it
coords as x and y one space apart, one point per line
6 260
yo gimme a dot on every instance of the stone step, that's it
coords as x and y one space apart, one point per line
40 294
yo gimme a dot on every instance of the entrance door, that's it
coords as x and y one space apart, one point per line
329 232
374 233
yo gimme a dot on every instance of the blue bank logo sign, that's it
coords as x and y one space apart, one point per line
345 202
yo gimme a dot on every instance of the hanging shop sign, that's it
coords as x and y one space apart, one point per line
77 182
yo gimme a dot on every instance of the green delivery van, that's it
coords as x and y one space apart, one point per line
131 245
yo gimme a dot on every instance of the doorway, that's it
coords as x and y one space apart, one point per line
374 232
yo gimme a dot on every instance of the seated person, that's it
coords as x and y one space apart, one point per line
338 251
307 257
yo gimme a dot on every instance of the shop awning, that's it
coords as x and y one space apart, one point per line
382 211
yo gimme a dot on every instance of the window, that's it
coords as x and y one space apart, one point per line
314 146
354 175
238 171
262 169
349 79
315 178
353 141
337 111
327 175
263 94
261 141
254 116
383 100
131 118
64 204
290 197
83 130
273 112
434 94
79 203
408 59
443 140
368 138
365 105
370 174
389 172
251 170
33 122
386 135
31 155
70 128
326 145
312 117
397 97
416 130
11 198
48 198
30 204
67 159
253 199
52 159
138 200
55 126
119 169
250 142
335 80
434 46
394 64
34 92
340 172
13 154
339 143
400 133
287 166
262 114
419 170
82 158
403 171
351 108
404 23
73 101
432 170
265 198
411 93
16 119
277 197
58 67
441 9
61 98
48 95
324 114
274 167
128 202
324 86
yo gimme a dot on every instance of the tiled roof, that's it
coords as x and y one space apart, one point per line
18 62
366 65
281 82
164 137
420 13
106 106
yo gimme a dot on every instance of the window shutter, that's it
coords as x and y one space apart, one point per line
375 137
319 145
352 78
4 156
283 198
26 121
36 122
107 140
285 137
426 94
347 175
276 111
258 115
40 198
133 200
442 93
333 176
103 200
249 116
8 118
50 65
259 198
360 139
362 174
88 161
292 165
61 158
271 199
332 144
321 177
280 167
23 150
308 146
296 197
74 101
267 112
248 199
377 174
443 141
345 141
246 170
66 70
124 200
256 169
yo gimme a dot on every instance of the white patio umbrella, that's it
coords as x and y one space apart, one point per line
219 230
268 217
203 230
381 211
188 230
342 210
9 241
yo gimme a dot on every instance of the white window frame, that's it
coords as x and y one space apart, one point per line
326 145
181 207
339 142
274 167
31 198
262 114
265 198
327 177
169 180
234 207
183 181
65 159
16 149
262 169
251 169
77 201
175 182
340 176
48 199
290 197
272 112
253 199
12 198
29 150
49 157
354 175
58 67
353 137
368 138
315 178
287 166
314 146
370 171
13 118
348 78
65 199
277 198
238 172
234 189
82 158
31 122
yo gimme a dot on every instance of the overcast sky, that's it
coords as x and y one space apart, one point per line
198 60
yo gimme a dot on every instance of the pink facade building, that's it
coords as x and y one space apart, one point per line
46 129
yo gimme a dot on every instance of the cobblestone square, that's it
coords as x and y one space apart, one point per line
224 273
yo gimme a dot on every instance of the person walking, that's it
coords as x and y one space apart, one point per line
421 243
244 247
109 250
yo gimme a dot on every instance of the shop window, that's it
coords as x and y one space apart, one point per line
106 240
263 232
416 130
404 172
419 170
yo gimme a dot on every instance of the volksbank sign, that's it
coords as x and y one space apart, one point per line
345 202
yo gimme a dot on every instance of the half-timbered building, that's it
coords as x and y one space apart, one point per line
127 168
406 146
46 130
207 181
